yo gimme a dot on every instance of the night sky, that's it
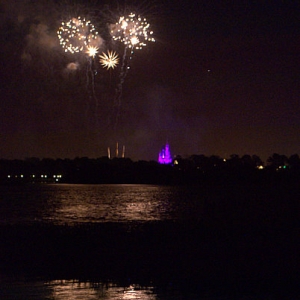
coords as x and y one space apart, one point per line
222 78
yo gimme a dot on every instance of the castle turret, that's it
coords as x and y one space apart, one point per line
164 156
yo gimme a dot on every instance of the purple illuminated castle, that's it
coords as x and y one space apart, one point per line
164 156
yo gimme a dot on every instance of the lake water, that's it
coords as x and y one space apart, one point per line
75 204
143 242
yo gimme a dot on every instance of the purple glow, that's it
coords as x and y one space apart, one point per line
164 156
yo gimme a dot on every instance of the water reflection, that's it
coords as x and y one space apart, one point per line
70 289
73 290
70 204
110 203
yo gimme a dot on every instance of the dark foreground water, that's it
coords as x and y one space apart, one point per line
149 242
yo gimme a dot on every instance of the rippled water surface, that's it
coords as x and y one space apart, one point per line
80 290
148 242
69 204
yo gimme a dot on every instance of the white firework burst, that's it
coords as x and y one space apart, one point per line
109 60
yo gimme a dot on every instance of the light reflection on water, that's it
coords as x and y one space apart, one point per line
70 204
74 290
69 289
78 204
117 203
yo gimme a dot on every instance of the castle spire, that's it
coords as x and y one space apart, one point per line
164 156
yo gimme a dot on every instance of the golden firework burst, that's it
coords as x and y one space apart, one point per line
92 51
109 60
76 35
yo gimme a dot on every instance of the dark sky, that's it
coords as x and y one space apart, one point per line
222 78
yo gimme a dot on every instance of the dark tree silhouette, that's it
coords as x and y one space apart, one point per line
277 161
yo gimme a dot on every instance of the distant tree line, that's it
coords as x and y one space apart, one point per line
194 169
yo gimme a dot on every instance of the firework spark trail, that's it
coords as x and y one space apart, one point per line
92 51
109 61
119 89
87 88
90 87
134 32
79 35
92 72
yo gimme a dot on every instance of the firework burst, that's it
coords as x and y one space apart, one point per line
109 60
92 51
77 35
133 31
